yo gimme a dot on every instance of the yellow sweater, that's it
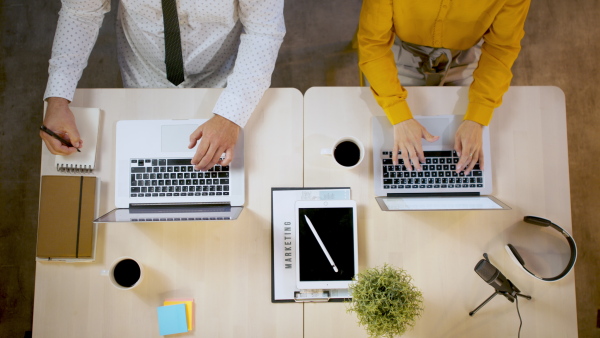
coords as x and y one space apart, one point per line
453 24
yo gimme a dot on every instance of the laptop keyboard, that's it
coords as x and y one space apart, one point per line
164 177
438 173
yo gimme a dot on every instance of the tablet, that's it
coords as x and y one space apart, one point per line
326 244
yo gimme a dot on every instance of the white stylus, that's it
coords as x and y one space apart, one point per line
321 244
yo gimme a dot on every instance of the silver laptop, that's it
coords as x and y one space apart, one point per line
155 181
437 186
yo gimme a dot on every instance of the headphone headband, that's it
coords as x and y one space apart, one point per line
537 221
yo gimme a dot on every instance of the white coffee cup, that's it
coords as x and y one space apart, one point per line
125 273
348 152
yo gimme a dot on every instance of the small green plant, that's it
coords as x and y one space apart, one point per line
385 301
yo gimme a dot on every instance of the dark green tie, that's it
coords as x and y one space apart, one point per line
173 58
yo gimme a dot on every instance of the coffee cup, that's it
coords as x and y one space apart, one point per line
125 273
348 152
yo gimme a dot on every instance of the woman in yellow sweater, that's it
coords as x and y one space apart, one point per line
441 35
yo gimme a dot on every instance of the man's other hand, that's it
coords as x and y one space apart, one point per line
217 136
407 139
61 121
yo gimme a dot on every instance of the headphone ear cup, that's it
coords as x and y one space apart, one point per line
515 253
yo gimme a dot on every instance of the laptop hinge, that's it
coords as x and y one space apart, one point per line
177 205
434 194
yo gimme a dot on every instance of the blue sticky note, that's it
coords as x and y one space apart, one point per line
171 319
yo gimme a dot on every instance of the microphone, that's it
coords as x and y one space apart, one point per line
491 275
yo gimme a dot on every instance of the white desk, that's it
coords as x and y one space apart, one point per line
440 249
224 265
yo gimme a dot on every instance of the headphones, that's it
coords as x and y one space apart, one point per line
512 252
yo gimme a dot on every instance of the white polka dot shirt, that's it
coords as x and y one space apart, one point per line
225 43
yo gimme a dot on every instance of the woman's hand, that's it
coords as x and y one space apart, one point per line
468 145
407 139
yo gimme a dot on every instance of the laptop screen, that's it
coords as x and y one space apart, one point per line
440 203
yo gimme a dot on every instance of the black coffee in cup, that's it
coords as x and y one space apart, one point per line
347 153
127 272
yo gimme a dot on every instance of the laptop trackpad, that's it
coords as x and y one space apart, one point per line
175 138
443 126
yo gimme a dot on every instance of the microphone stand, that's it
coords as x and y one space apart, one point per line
509 295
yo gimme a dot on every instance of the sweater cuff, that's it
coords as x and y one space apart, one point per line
398 112
479 113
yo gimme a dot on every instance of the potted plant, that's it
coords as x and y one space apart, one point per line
385 301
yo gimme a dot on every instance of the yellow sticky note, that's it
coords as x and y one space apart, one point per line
189 309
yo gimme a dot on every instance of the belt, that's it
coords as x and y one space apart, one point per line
435 62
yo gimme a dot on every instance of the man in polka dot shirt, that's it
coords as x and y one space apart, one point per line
224 43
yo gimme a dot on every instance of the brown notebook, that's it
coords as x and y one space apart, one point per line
65 226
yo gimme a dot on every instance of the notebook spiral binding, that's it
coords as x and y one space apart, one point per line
74 168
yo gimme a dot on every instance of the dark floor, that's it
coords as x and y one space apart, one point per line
560 48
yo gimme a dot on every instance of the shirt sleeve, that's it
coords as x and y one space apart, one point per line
376 60
76 33
262 35
501 46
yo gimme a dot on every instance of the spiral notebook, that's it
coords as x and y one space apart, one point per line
87 120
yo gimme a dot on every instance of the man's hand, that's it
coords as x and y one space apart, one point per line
61 121
219 135
407 139
468 145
